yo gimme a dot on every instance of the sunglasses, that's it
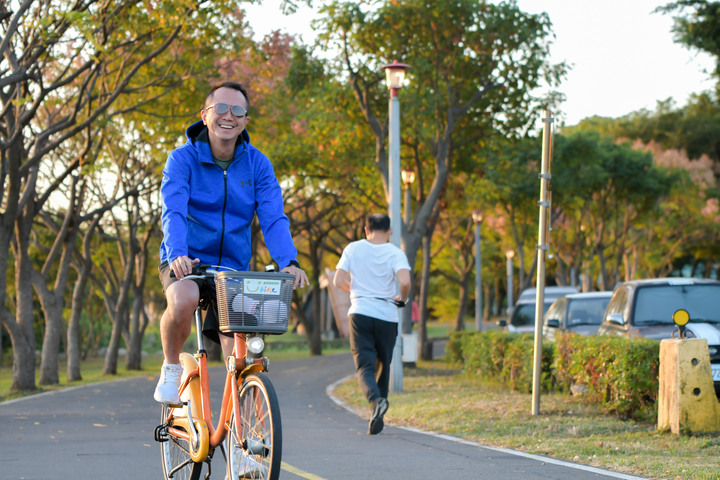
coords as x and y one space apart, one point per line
222 109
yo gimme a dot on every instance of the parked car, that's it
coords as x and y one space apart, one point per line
522 315
581 313
645 307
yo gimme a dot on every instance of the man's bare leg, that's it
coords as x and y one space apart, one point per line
176 322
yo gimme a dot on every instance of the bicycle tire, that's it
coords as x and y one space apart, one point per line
256 451
177 464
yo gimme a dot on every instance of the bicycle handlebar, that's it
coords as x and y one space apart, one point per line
201 270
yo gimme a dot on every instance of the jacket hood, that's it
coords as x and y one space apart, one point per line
198 132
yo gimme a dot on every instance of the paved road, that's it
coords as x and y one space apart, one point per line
106 431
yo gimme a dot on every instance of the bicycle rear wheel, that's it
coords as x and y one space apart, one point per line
177 463
255 451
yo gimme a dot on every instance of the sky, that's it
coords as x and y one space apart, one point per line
622 55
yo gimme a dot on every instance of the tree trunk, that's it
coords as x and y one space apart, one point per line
314 337
423 350
23 352
111 355
487 304
464 297
497 304
24 360
138 322
73 333
73 336
49 366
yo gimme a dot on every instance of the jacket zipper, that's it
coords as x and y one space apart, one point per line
222 232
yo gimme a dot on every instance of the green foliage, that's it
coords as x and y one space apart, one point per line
484 353
676 192
620 375
696 25
454 349
693 127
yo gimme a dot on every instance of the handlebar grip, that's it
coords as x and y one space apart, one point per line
198 269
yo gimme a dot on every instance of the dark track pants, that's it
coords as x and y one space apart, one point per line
372 342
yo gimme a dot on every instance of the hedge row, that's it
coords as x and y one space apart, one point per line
618 374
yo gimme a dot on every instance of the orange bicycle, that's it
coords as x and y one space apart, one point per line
250 305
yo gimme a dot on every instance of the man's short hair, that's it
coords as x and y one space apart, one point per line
228 84
378 222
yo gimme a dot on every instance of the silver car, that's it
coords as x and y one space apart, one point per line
581 313
644 308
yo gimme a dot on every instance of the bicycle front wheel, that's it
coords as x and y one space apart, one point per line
255 450
177 463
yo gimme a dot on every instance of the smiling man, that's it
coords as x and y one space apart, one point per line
212 187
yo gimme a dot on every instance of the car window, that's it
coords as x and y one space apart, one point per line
618 302
557 309
657 303
524 314
584 311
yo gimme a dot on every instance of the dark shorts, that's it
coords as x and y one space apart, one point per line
208 302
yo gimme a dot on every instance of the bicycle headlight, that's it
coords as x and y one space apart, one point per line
255 345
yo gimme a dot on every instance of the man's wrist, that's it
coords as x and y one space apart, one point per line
294 263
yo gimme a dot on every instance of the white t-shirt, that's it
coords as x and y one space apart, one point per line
373 269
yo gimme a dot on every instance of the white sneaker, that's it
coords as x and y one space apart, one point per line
167 387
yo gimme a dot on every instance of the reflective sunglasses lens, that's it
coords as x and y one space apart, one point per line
221 108
238 111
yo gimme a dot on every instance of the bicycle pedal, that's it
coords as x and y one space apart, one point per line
161 434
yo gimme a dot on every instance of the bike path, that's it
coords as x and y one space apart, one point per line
106 431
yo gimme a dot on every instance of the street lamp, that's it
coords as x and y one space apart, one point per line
395 76
509 254
477 219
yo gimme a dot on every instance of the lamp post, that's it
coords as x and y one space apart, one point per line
509 254
477 219
395 75
408 177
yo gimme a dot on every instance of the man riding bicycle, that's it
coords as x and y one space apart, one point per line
212 187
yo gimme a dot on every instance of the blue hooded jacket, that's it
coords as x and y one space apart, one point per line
207 212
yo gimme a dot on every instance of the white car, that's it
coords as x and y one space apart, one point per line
522 316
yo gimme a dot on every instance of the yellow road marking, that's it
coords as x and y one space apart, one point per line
300 473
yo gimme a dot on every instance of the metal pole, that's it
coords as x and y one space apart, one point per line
541 254
396 366
509 272
408 198
407 325
478 281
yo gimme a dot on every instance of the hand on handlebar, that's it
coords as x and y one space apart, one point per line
301 279
183 265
